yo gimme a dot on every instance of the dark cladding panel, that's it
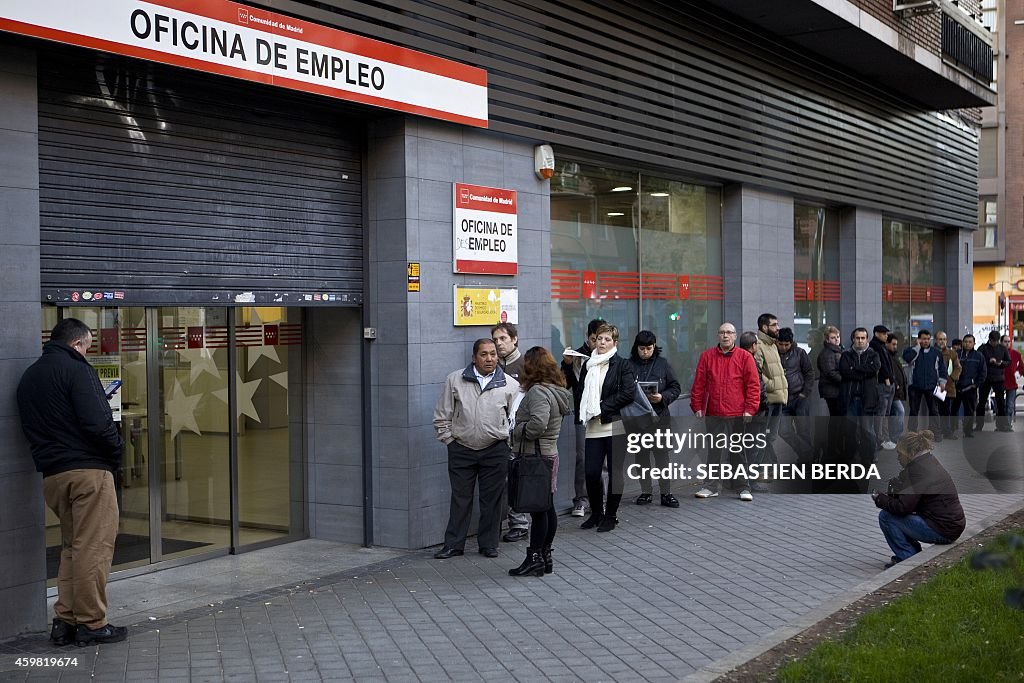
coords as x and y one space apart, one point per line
679 87
179 187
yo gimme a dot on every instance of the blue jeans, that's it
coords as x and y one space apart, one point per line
1011 404
897 411
906 533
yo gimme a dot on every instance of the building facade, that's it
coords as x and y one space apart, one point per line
272 267
999 241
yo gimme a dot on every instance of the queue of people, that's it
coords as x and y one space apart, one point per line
507 404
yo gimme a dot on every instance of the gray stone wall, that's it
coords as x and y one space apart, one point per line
411 165
333 417
757 256
959 282
22 563
860 270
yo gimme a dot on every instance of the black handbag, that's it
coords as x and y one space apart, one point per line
529 482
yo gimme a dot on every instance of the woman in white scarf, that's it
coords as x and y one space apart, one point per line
608 386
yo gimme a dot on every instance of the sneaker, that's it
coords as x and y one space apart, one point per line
893 561
888 445
706 493
644 499
746 495
669 501
579 510
515 534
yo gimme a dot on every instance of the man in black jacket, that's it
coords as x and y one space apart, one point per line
996 359
77 447
858 367
795 428
886 384
572 368
972 376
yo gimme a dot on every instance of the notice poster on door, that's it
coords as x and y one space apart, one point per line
486 306
109 370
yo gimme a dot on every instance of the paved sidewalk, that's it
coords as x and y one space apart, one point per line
665 594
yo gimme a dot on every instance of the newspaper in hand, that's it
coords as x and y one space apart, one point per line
569 351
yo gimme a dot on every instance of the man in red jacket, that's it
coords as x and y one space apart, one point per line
1015 367
726 389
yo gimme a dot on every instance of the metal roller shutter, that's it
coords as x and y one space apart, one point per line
167 186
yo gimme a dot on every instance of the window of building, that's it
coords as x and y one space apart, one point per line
640 251
988 153
988 221
913 278
816 284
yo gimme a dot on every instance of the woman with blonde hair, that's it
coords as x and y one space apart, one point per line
538 421
922 505
608 386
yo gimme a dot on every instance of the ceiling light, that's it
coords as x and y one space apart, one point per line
659 194
616 213
622 188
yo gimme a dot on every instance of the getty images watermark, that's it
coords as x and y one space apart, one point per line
804 454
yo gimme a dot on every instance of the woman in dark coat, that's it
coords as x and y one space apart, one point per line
650 368
830 383
608 386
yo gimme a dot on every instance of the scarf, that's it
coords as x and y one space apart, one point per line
597 370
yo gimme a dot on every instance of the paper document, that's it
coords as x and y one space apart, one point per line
939 393
573 352
649 387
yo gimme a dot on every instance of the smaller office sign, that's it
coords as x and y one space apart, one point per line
486 306
485 230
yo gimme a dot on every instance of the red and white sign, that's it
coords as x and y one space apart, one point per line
252 44
485 230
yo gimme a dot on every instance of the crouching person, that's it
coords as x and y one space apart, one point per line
922 505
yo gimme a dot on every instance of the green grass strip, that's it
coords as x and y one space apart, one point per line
954 627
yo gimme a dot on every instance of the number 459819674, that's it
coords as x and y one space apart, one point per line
46 661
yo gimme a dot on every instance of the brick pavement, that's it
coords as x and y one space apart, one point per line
666 593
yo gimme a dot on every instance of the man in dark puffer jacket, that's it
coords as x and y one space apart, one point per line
77 447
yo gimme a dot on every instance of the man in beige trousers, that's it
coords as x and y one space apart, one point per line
77 447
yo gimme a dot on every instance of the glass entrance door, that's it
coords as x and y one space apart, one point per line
194 448
202 388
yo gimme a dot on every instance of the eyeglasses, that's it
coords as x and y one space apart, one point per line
727 332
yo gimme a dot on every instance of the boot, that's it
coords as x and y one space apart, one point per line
549 565
533 565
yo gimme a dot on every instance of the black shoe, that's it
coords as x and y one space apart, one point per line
62 632
106 634
533 565
446 552
592 521
893 561
607 524
516 534
549 564
669 501
489 552
644 499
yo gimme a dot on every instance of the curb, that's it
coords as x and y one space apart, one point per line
712 671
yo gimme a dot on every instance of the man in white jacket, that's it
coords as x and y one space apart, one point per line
472 418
